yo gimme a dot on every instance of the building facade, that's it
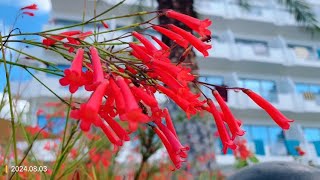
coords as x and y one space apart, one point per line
263 49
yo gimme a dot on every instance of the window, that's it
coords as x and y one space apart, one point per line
312 135
54 125
266 137
259 48
309 91
265 88
303 88
302 52
216 80
276 141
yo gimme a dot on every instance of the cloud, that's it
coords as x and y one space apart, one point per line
43 5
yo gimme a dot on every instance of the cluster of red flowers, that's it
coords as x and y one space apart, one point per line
72 37
300 151
31 7
132 100
242 151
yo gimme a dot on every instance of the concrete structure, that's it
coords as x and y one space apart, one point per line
263 49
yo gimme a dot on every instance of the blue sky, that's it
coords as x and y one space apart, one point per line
8 13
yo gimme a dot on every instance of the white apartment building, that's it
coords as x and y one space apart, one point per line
262 49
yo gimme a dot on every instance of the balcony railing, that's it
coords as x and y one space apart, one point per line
306 104
262 54
258 12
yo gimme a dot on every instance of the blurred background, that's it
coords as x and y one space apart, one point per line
266 46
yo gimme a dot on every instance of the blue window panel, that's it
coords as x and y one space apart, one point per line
312 134
317 147
315 89
229 151
57 125
42 121
260 138
265 88
247 135
260 132
291 147
307 88
302 88
259 146
250 42
276 141
318 53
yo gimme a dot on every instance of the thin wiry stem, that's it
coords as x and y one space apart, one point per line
10 103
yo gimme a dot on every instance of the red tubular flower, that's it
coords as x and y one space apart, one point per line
30 7
133 111
121 133
182 103
88 112
28 13
169 122
105 24
200 26
119 100
108 107
239 122
172 35
275 114
35 130
113 138
197 43
175 143
98 76
144 96
173 156
179 72
228 116
242 151
51 40
72 76
169 80
161 44
139 53
223 133
149 46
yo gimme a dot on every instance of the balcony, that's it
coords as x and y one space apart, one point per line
307 104
268 50
302 55
220 49
33 89
285 102
259 53
255 13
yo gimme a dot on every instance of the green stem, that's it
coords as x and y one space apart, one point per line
66 124
61 99
10 103
32 67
